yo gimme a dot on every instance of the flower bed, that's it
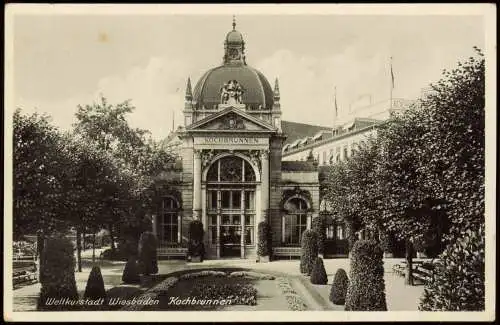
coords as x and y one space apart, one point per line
193 275
295 302
232 293
252 275
153 293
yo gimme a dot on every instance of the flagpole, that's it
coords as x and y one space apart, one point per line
392 84
335 103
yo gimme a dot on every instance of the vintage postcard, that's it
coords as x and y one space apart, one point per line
300 162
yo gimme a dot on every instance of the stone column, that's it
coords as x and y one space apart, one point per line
309 221
264 199
217 241
242 249
204 217
197 184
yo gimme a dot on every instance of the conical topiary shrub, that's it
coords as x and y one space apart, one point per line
309 254
57 274
196 247
95 285
319 226
148 263
131 272
366 290
339 287
318 274
264 246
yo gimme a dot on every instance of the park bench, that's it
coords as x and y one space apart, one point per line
286 252
24 273
169 252
424 272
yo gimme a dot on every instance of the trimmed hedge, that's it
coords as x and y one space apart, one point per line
318 274
366 291
339 287
196 247
265 239
309 244
462 263
57 274
319 226
131 272
95 285
147 253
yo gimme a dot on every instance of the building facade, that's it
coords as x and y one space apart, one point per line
240 164
230 176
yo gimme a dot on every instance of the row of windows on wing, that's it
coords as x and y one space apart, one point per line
332 156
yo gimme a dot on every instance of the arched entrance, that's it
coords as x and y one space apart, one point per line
231 205
295 221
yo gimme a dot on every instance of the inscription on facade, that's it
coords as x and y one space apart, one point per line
231 140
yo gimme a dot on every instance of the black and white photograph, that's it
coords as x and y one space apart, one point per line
270 162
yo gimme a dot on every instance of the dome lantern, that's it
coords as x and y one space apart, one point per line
234 47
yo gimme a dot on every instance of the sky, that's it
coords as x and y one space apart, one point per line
61 61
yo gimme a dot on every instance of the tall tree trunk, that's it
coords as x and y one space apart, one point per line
40 244
112 237
83 235
409 263
79 249
93 247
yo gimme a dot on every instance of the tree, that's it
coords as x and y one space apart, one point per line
138 157
338 194
38 179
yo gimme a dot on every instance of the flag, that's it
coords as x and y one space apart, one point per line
392 76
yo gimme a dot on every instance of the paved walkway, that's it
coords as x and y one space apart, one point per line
399 296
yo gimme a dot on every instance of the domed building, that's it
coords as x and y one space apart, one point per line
241 165
231 177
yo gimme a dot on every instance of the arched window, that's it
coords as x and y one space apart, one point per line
294 223
169 221
231 169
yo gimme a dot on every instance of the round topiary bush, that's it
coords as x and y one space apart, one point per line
147 253
461 263
339 287
309 254
57 274
131 272
95 286
196 247
319 226
366 291
265 240
318 274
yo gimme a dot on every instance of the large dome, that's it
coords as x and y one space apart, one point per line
257 90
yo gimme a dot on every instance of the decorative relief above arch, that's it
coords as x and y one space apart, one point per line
168 191
287 194
208 156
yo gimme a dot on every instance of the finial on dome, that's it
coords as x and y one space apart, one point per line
234 22
276 90
189 93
